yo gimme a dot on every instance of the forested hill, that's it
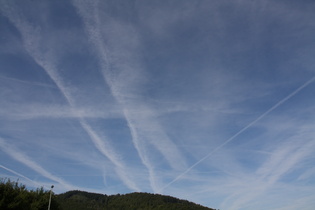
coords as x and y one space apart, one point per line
78 200
16 196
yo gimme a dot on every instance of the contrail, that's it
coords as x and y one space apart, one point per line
241 131
21 175
137 126
90 16
17 173
29 34
19 156
141 152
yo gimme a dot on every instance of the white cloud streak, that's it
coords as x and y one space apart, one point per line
241 131
36 110
121 70
26 82
19 156
283 160
197 106
19 174
31 39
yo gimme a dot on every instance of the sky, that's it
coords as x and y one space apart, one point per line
206 100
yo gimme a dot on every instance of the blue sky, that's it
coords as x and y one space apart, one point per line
210 101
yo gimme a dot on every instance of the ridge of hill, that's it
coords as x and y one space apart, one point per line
16 196
80 200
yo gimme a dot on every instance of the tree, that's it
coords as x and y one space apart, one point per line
15 196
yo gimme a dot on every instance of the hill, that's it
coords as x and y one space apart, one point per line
16 196
79 200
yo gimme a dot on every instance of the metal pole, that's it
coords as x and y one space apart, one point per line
52 186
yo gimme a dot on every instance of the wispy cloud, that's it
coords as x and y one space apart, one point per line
19 156
26 82
36 110
242 130
209 101
47 60
252 188
122 71
20 175
281 162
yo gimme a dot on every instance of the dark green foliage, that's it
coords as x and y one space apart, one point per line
15 196
79 200
134 201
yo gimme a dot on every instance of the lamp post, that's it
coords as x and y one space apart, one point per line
52 186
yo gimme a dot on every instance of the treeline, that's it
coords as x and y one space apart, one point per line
16 196
133 201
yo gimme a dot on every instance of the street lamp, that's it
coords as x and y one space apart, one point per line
52 186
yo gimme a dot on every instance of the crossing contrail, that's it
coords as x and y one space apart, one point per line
31 41
240 132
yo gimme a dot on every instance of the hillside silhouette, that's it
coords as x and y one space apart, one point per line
16 196
80 200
